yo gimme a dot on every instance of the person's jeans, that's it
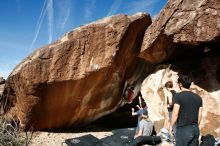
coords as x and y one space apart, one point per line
187 135
142 140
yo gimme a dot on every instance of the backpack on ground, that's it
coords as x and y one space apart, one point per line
207 140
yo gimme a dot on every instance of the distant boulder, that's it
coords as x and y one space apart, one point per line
2 80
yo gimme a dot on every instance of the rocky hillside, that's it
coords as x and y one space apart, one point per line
80 77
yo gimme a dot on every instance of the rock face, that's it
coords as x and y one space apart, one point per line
204 77
2 85
80 77
1 88
186 35
180 23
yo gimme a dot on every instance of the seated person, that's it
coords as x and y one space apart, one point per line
139 112
145 126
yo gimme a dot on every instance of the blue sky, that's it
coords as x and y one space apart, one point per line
26 25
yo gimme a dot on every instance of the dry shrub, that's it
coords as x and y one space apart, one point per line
10 135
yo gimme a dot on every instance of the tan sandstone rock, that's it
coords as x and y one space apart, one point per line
2 85
181 22
78 78
204 84
187 30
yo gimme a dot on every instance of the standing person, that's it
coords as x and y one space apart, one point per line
145 125
170 98
187 113
139 113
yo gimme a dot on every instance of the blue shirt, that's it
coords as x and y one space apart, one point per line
139 112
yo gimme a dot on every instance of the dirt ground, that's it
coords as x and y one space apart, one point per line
58 138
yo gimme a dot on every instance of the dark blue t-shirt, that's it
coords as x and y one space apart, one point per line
189 107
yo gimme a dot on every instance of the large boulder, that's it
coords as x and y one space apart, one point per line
78 78
1 89
180 24
189 31
2 85
2 80
205 84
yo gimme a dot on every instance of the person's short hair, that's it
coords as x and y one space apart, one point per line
185 81
145 112
143 104
169 84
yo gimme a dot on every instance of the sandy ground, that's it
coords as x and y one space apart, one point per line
58 138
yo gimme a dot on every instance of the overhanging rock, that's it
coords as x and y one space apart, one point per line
181 22
78 78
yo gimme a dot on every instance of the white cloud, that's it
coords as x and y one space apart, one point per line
89 7
47 7
65 19
114 8
50 19
141 5
64 8
39 23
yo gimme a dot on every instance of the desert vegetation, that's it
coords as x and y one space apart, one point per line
11 135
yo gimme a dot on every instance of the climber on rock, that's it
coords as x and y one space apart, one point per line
128 93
